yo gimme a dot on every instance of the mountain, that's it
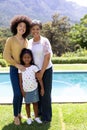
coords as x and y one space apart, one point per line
39 9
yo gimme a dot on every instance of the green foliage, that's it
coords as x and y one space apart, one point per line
4 34
3 63
78 53
57 32
69 60
78 33
1 56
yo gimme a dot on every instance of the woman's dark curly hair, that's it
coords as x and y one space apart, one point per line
26 51
18 19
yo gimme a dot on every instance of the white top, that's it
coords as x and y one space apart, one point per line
39 50
28 78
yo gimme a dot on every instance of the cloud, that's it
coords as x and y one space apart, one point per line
80 2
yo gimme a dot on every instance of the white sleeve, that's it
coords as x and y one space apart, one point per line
30 44
19 71
36 69
47 47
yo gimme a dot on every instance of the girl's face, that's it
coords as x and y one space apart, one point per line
35 30
21 28
27 59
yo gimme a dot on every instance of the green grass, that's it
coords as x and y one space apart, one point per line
70 66
74 117
59 67
4 69
6 120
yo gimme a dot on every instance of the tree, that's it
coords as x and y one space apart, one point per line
4 34
78 33
57 32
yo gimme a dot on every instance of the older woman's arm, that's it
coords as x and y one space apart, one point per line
45 64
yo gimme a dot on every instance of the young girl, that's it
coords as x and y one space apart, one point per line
28 84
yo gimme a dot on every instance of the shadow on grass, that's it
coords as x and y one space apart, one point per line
25 126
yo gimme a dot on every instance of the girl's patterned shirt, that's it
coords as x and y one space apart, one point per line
28 78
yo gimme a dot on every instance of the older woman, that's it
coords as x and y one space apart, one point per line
20 28
42 52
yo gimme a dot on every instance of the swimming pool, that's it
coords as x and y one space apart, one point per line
67 87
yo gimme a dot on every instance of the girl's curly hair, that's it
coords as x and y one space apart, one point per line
18 19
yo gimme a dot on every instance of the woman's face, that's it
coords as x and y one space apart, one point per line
21 28
35 31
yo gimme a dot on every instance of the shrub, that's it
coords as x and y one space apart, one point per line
3 63
0 55
78 53
69 60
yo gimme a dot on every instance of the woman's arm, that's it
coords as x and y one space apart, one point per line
42 87
47 56
7 53
45 64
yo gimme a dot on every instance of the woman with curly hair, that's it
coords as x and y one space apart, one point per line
20 28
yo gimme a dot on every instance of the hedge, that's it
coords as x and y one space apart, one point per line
3 63
69 60
57 60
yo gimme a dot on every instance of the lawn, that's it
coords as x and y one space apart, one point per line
65 117
70 66
59 67
6 120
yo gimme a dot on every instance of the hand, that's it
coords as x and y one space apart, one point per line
23 93
42 91
21 67
39 75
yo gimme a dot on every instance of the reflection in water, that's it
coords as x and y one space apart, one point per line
62 91
67 92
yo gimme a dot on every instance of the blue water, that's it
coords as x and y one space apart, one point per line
66 87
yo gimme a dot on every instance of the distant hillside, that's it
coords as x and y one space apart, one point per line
39 9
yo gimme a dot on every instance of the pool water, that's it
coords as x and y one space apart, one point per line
66 87
70 87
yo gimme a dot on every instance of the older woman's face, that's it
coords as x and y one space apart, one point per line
21 28
35 31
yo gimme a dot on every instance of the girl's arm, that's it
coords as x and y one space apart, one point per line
21 86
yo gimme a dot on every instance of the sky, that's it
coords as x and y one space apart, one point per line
80 2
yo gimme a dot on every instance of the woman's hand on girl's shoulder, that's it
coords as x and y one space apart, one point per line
20 67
